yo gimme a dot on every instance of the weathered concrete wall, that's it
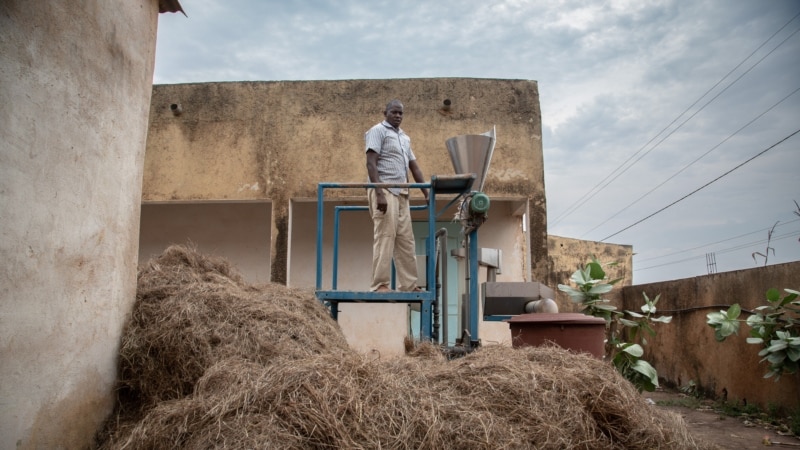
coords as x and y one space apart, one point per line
277 140
685 349
566 255
75 86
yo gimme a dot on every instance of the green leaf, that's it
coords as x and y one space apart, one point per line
606 307
633 350
773 295
716 318
569 290
600 289
788 299
629 323
755 340
644 368
729 327
757 333
662 319
734 311
776 346
776 358
634 314
579 277
655 300
576 295
596 271
793 354
754 320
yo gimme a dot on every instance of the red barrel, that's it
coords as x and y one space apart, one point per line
572 331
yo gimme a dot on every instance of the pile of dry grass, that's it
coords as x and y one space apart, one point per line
193 311
256 388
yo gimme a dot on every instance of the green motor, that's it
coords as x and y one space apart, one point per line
479 203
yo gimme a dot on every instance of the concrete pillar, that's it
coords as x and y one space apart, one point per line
75 88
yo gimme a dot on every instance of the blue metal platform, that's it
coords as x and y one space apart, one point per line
454 184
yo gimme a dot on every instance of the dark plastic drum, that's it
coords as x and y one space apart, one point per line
572 331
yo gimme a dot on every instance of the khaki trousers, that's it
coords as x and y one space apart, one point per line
393 238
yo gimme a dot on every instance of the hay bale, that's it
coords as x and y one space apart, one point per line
496 397
192 311
226 365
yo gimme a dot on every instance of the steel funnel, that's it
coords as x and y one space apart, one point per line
472 153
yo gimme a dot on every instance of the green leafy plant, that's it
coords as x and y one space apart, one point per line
625 331
774 326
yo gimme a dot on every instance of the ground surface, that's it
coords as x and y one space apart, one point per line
739 433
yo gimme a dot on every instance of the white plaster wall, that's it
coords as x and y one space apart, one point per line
237 231
382 327
75 86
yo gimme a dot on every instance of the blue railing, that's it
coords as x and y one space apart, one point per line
458 184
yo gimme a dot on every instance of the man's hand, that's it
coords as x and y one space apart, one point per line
380 199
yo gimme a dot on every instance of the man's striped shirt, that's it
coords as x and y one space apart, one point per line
393 147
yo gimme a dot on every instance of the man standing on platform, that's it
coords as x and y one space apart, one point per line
389 158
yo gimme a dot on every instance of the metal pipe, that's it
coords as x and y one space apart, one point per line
545 305
320 217
465 313
435 336
473 287
441 288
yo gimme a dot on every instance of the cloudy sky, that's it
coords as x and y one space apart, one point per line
668 125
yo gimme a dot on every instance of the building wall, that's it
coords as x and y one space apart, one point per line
75 86
685 350
277 140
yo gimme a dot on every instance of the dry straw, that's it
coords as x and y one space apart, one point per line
211 362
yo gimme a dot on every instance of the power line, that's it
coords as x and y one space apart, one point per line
703 186
578 203
691 163
698 111
714 243
732 249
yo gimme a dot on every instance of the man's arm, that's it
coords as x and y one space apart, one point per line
372 166
416 172
372 171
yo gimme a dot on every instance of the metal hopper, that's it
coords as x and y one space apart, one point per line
472 153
